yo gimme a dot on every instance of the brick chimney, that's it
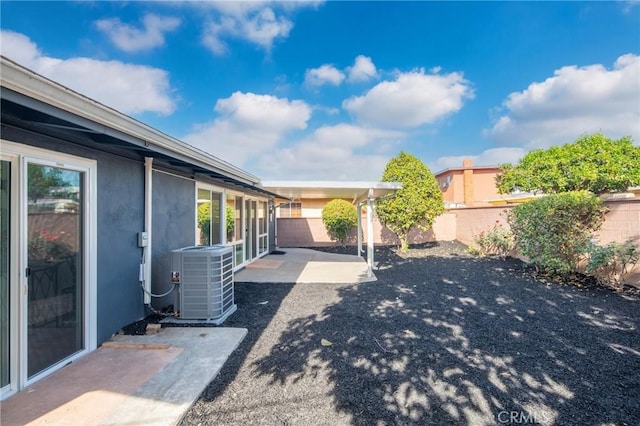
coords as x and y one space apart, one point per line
467 181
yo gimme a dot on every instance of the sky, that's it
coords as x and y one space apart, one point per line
313 90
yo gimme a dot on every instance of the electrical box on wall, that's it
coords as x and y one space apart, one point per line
143 239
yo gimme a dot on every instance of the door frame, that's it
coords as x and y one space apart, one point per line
20 156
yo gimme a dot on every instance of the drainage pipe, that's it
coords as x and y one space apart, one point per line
148 187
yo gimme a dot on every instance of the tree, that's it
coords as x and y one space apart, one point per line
42 179
417 204
339 217
592 163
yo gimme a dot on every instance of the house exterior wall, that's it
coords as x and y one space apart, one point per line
484 185
311 207
469 185
173 227
120 213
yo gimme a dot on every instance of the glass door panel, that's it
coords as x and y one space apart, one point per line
54 238
234 223
5 227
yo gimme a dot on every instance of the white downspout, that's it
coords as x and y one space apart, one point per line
148 187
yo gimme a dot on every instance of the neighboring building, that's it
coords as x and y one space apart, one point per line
469 185
92 204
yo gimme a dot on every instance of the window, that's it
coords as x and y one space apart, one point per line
291 210
208 217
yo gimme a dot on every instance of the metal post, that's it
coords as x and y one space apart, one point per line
370 234
359 207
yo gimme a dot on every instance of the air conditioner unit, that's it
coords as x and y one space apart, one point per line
205 278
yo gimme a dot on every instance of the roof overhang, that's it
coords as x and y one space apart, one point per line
356 191
34 103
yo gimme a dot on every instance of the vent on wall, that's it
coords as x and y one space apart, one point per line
205 276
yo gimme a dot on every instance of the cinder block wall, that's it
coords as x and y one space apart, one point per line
622 223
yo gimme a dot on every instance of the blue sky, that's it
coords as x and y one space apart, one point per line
332 90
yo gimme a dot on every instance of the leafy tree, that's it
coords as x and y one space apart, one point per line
592 163
42 179
417 204
339 217
554 232
204 222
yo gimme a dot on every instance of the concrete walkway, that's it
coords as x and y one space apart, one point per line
143 380
300 265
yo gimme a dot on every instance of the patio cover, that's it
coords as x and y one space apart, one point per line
360 193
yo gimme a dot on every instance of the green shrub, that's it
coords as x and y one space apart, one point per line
554 231
339 218
497 241
611 263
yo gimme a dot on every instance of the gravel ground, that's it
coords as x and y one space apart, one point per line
441 338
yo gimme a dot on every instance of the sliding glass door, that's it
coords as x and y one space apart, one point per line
54 253
5 241
47 263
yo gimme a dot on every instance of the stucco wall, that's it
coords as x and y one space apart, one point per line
622 223
308 232
174 224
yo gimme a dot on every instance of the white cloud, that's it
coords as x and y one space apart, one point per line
258 22
490 157
411 100
131 39
576 100
325 74
131 89
337 152
363 69
249 125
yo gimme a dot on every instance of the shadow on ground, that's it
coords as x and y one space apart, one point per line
437 340
442 345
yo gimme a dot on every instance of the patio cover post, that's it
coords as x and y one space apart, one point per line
359 230
370 199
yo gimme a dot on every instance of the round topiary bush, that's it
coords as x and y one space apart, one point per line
339 218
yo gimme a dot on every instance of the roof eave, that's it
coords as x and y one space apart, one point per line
28 83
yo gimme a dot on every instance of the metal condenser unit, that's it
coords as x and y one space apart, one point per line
204 275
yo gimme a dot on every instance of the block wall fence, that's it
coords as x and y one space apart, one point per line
622 223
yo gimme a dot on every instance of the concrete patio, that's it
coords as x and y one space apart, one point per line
143 380
299 265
